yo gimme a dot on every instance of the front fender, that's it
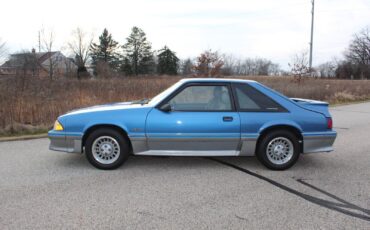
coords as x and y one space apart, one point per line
91 124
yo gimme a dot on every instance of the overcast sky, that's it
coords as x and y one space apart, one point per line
246 28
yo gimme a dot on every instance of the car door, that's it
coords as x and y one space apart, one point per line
202 121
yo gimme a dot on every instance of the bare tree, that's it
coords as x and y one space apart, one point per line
274 69
358 53
327 69
262 66
229 64
359 49
249 66
209 64
186 67
299 66
80 47
47 45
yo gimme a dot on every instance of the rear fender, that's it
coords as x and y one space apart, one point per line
280 123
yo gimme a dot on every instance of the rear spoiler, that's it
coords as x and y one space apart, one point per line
308 101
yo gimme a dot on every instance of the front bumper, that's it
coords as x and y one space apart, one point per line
60 141
318 142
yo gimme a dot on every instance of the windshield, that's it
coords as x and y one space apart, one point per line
155 100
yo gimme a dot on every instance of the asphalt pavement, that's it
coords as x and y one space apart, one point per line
42 189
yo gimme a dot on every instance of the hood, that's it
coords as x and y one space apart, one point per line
108 107
313 105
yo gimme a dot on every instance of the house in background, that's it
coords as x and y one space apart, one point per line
39 64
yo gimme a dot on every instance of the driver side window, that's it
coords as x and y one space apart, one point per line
202 98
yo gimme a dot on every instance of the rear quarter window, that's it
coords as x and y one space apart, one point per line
250 99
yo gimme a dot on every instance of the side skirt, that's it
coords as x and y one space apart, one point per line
188 153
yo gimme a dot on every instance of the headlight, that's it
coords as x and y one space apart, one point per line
58 126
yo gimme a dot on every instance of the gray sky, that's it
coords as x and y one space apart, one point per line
246 28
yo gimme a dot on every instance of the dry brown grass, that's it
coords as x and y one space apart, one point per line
30 105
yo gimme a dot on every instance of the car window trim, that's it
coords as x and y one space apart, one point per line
182 87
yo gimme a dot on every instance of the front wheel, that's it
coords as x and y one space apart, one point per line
106 149
278 150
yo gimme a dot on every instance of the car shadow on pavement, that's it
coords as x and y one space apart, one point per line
76 161
73 161
79 161
179 162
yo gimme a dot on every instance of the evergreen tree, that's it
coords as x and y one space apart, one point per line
167 62
126 66
105 51
138 53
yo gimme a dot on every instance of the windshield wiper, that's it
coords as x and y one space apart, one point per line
142 101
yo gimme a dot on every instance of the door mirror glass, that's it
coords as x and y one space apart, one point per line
166 108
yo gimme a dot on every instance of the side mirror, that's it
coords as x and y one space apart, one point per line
166 108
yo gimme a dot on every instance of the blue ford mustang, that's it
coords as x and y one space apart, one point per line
199 117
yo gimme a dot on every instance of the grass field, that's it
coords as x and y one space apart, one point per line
29 105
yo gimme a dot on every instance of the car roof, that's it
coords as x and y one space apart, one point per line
187 80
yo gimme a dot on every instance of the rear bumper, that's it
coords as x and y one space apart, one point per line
318 142
59 141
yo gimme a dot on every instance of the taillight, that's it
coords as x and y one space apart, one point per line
330 123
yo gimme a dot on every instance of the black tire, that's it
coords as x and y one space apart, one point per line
124 150
262 154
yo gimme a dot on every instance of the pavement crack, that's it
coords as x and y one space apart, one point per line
241 218
341 206
148 214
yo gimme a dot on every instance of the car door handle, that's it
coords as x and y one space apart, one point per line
227 119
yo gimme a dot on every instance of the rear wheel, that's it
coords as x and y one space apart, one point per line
278 150
106 148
